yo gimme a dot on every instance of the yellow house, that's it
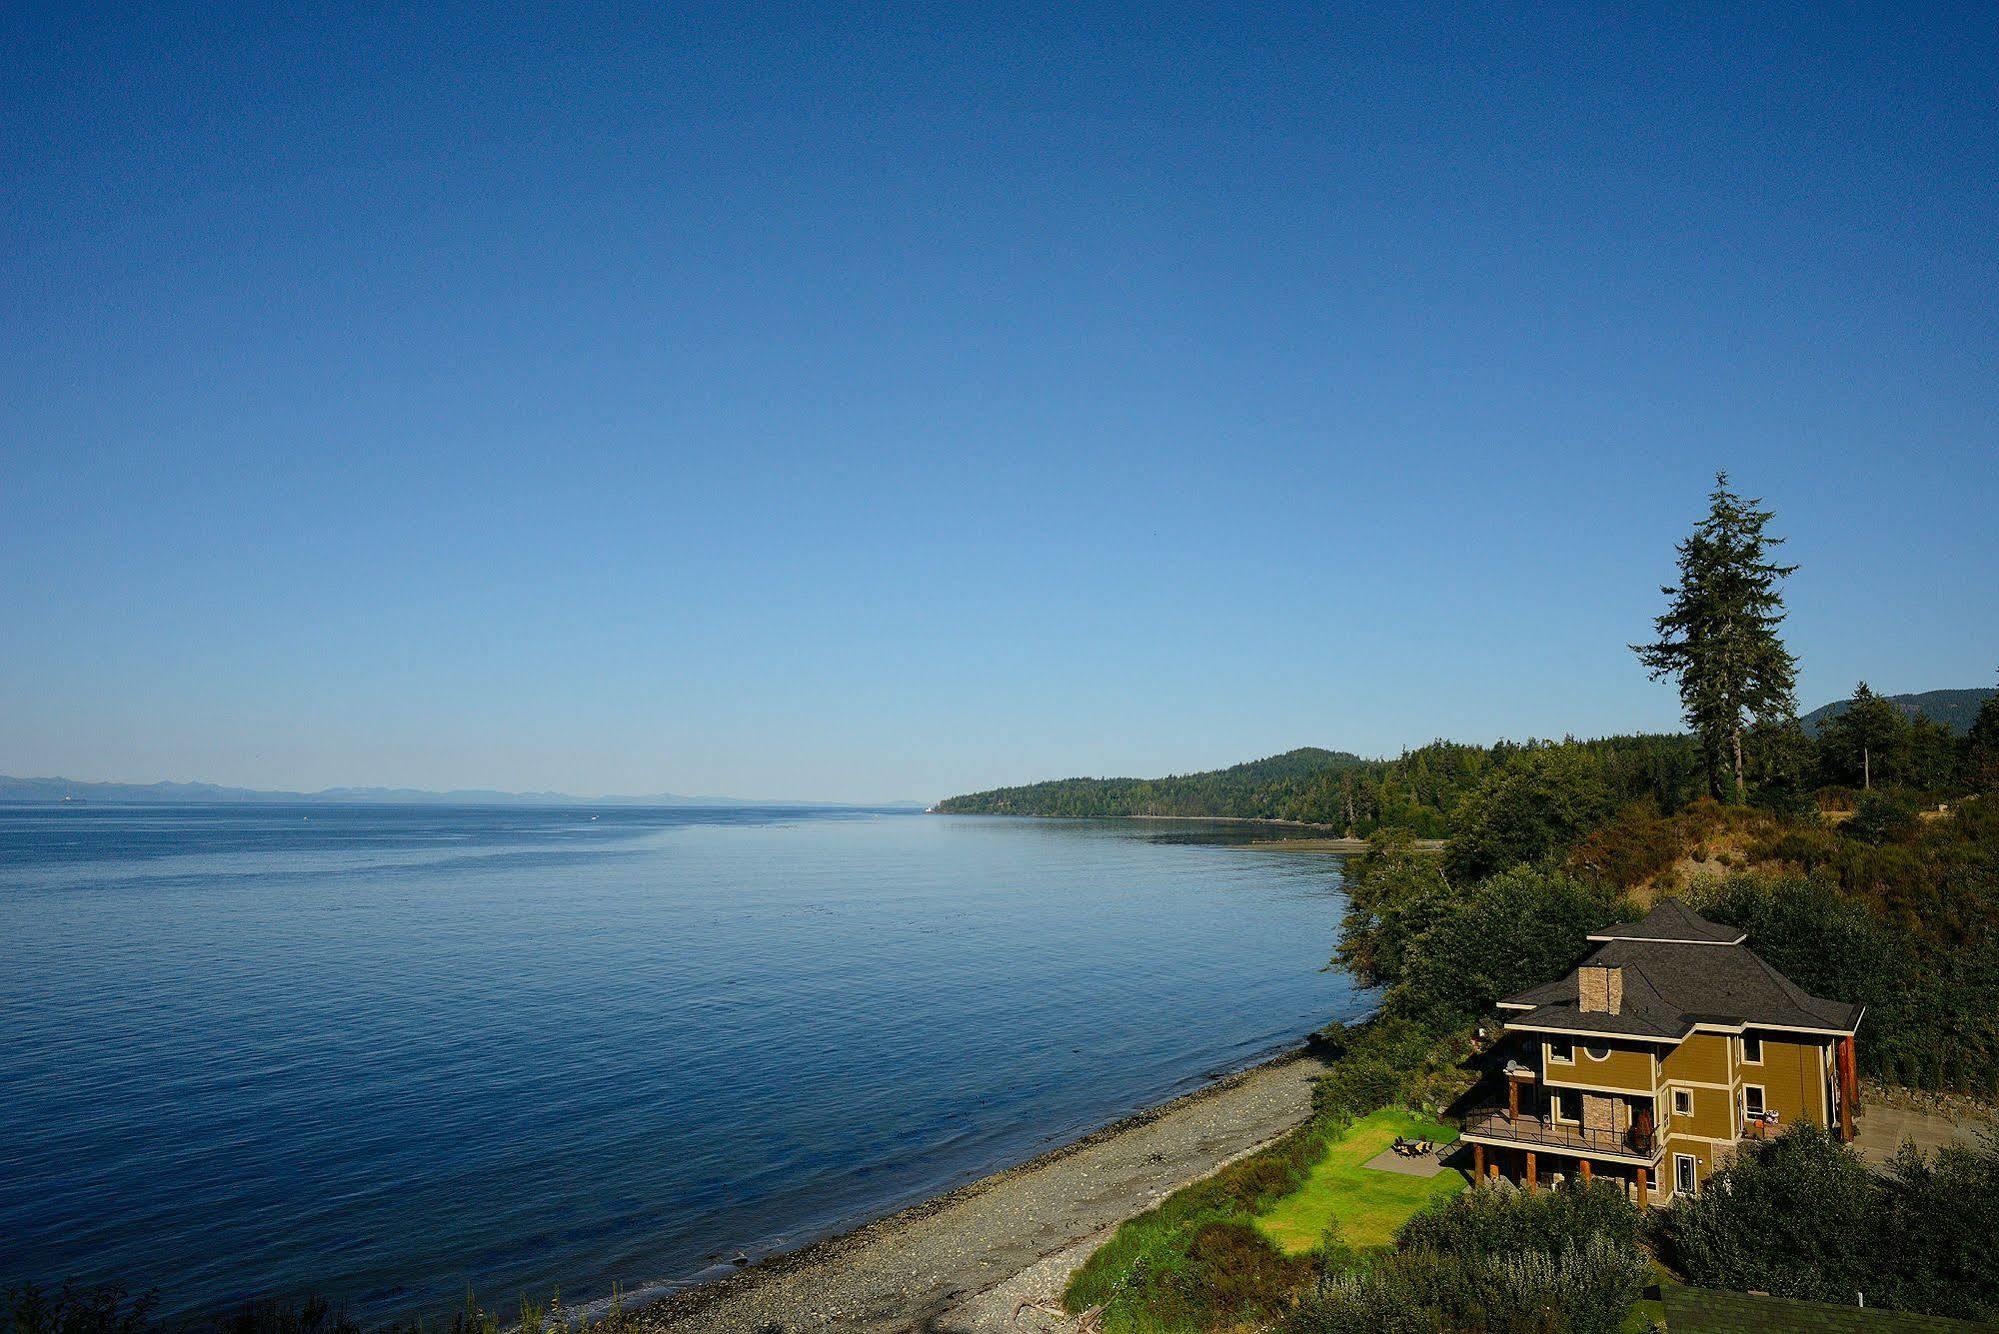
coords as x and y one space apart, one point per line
1660 1053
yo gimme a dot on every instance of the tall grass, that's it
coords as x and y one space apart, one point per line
1197 1261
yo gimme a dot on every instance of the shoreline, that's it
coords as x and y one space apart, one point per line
1335 843
1195 819
1345 847
922 1266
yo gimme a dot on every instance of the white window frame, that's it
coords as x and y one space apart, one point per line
1555 1097
1693 1186
1678 1094
1593 1048
1569 1043
1762 1100
1747 1059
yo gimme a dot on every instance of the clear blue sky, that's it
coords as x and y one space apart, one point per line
886 405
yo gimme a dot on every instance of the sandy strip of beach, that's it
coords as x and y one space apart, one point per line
963 1263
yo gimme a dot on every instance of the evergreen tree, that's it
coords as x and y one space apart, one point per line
1865 737
1718 635
1930 755
1981 748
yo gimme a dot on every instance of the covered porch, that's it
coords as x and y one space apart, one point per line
1534 1151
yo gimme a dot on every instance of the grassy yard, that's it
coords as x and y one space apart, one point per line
1368 1205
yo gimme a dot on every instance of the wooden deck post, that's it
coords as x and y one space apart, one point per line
1530 1170
1582 1166
1847 1088
1513 1100
1643 1198
1477 1163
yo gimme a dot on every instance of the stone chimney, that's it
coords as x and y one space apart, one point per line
1600 988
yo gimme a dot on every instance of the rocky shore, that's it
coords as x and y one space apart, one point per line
980 1259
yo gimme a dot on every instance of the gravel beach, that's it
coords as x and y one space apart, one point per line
963 1263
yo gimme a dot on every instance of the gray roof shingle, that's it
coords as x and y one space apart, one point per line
1673 920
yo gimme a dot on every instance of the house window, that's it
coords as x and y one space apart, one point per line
1598 1053
1566 1106
1561 1049
1752 1051
1752 1100
1683 1102
1684 1165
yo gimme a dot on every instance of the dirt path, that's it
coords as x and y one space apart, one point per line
926 1268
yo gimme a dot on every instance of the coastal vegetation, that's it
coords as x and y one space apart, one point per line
1495 1258
1205 1259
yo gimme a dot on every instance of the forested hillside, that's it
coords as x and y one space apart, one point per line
1416 791
1258 790
1955 709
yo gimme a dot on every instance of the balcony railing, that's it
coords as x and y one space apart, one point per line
1494 1123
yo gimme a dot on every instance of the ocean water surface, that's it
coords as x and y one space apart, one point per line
385 1053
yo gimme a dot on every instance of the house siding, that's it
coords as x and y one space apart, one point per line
1626 1066
1713 1115
1792 1076
1703 1058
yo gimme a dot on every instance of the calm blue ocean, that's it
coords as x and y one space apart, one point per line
386 1052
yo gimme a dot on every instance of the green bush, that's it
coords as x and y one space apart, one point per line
1883 817
1493 1259
1492 1222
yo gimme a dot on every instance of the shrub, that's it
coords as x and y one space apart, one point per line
1883 817
1489 1222
1582 1289
1493 1258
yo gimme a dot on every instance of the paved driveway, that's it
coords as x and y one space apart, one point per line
1881 1130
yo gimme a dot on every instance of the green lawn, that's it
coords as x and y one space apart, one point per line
1368 1205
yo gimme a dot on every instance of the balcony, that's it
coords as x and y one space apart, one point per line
1495 1124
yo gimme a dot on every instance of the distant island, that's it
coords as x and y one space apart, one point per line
70 790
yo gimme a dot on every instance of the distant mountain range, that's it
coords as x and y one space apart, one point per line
58 789
1955 709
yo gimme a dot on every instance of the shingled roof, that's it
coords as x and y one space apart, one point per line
1680 970
1675 922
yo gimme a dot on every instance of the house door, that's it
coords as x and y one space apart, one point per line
1683 1173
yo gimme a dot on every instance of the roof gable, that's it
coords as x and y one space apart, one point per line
1673 922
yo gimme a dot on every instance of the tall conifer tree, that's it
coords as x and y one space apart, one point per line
1869 733
1718 635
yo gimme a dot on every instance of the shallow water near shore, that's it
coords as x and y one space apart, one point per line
387 1052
